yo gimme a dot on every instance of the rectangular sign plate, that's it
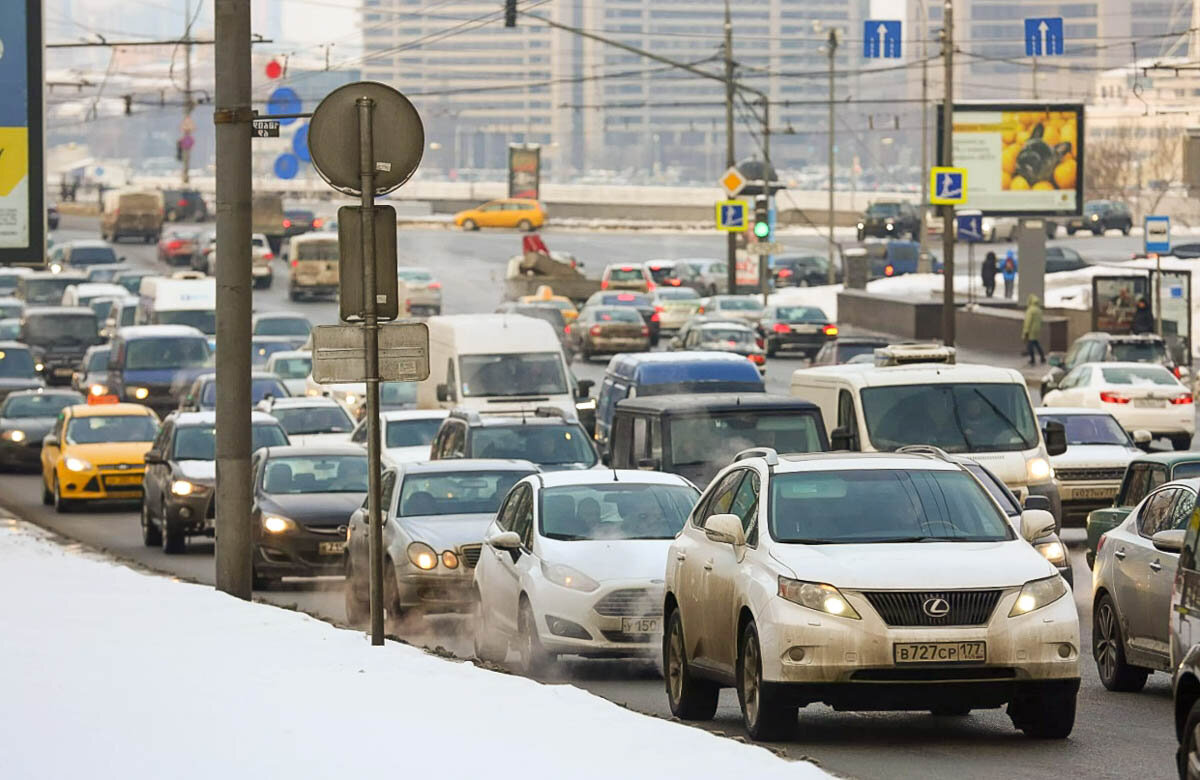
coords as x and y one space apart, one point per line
266 128
340 353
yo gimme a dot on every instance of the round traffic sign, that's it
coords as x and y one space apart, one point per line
287 166
284 101
300 143
399 137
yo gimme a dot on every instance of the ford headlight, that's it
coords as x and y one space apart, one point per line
140 393
422 556
181 487
818 596
15 437
1039 470
1038 593
1053 551
567 577
98 390
274 524
77 464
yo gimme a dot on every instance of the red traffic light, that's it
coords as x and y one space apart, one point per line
274 69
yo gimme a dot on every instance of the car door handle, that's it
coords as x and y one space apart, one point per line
708 565
1155 566
681 556
1119 555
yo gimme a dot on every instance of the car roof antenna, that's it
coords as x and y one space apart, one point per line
614 468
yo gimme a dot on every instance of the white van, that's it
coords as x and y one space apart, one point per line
980 411
495 363
179 302
84 294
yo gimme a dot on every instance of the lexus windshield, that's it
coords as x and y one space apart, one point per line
1089 428
954 417
883 505
618 510
531 373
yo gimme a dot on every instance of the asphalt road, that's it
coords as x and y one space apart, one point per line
1116 735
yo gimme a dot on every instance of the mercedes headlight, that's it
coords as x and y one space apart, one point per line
1053 551
450 559
77 464
274 524
566 577
1039 470
1038 593
422 556
818 596
181 487
16 436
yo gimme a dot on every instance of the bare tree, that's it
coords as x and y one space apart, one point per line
1160 167
1111 169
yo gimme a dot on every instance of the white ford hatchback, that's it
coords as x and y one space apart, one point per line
868 582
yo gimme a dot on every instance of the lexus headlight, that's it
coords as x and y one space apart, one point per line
274 524
14 436
567 577
77 464
1039 470
55 268
818 596
1037 594
1052 550
181 487
422 556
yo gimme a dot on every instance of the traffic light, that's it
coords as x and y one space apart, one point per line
510 13
762 227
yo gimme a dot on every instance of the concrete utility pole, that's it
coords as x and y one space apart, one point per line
922 234
832 47
948 159
188 102
232 117
730 151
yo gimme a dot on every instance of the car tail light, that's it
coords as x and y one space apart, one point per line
408 307
659 309
1184 398
627 268
595 330
756 359
171 245
181 203
654 317
434 285
1113 398
758 342
785 273
287 223
888 270
566 330
295 263
317 222
1178 372
699 309
830 330
674 282
645 331
656 268
649 286
268 255
781 327
604 284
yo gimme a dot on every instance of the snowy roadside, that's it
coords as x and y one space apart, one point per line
109 672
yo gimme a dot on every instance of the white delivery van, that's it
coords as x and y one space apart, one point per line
495 363
974 410
175 301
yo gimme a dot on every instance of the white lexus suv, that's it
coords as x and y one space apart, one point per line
868 582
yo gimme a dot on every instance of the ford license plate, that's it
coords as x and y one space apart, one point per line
331 548
123 481
641 625
940 653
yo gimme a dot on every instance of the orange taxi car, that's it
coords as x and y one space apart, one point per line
96 452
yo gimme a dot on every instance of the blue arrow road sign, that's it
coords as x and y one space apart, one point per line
286 166
881 38
1044 36
970 227
1158 235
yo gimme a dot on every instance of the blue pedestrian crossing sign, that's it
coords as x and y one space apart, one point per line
733 215
948 186
969 227
1158 235
881 39
1044 36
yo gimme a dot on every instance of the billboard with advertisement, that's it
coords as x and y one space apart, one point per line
1114 300
524 170
1022 159
22 191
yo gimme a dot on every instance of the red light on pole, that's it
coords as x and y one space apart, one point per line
274 69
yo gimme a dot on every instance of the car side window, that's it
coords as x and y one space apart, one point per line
162 441
721 498
1156 512
824 354
1158 476
387 487
523 517
641 435
456 440
1189 556
360 433
508 512
1135 487
1181 511
1073 354
745 506
622 435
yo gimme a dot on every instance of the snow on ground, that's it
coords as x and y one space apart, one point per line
109 672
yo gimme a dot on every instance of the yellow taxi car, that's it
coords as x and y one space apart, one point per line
96 452
520 213
544 296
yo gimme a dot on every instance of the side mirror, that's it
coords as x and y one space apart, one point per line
1055 361
1036 523
1142 436
649 464
121 259
841 439
153 457
1056 438
585 387
504 540
605 458
1041 503
443 393
50 441
725 529
675 343
1169 541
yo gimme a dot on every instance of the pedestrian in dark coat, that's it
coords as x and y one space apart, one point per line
1143 318
989 274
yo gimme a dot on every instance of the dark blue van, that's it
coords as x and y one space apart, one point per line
661 373
896 258
154 364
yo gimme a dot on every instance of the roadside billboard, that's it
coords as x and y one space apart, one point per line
22 180
1114 300
524 170
1022 159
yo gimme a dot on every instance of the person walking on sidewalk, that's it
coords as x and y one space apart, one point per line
1143 319
1009 272
989 273
1031 330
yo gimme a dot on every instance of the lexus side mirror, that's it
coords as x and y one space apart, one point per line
505 540
1142 436
1056 438
1169 541
725 529
1036 523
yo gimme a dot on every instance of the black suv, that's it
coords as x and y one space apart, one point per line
1061 258
889 219
59 336
298 221
180 205
552 439
810 270
1101 215
1098 347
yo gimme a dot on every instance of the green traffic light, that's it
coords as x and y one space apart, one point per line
761 229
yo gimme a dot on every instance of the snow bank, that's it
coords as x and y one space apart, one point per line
112 673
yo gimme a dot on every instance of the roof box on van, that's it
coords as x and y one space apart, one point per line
913 352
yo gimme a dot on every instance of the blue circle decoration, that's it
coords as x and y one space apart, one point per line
300 143
286 166
284 101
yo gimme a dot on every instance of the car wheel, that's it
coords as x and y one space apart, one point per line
1108 648
488 646
1181 441
292 296
1188 755
151 535
61 505
470 224
47 496
1046 716
525 226
765 717
772 348
534 658
358 612
1125 230
690 698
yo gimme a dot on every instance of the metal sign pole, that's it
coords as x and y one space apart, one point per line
366 108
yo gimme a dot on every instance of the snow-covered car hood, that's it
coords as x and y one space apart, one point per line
446 532
916 565
1085 455
197 470
611 559
318 439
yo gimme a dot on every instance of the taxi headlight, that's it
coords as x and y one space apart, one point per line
181 487
567 577
1038 593
1039 470
422 556
274 524
818 596
39 366
1052 550
77 464
16 436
